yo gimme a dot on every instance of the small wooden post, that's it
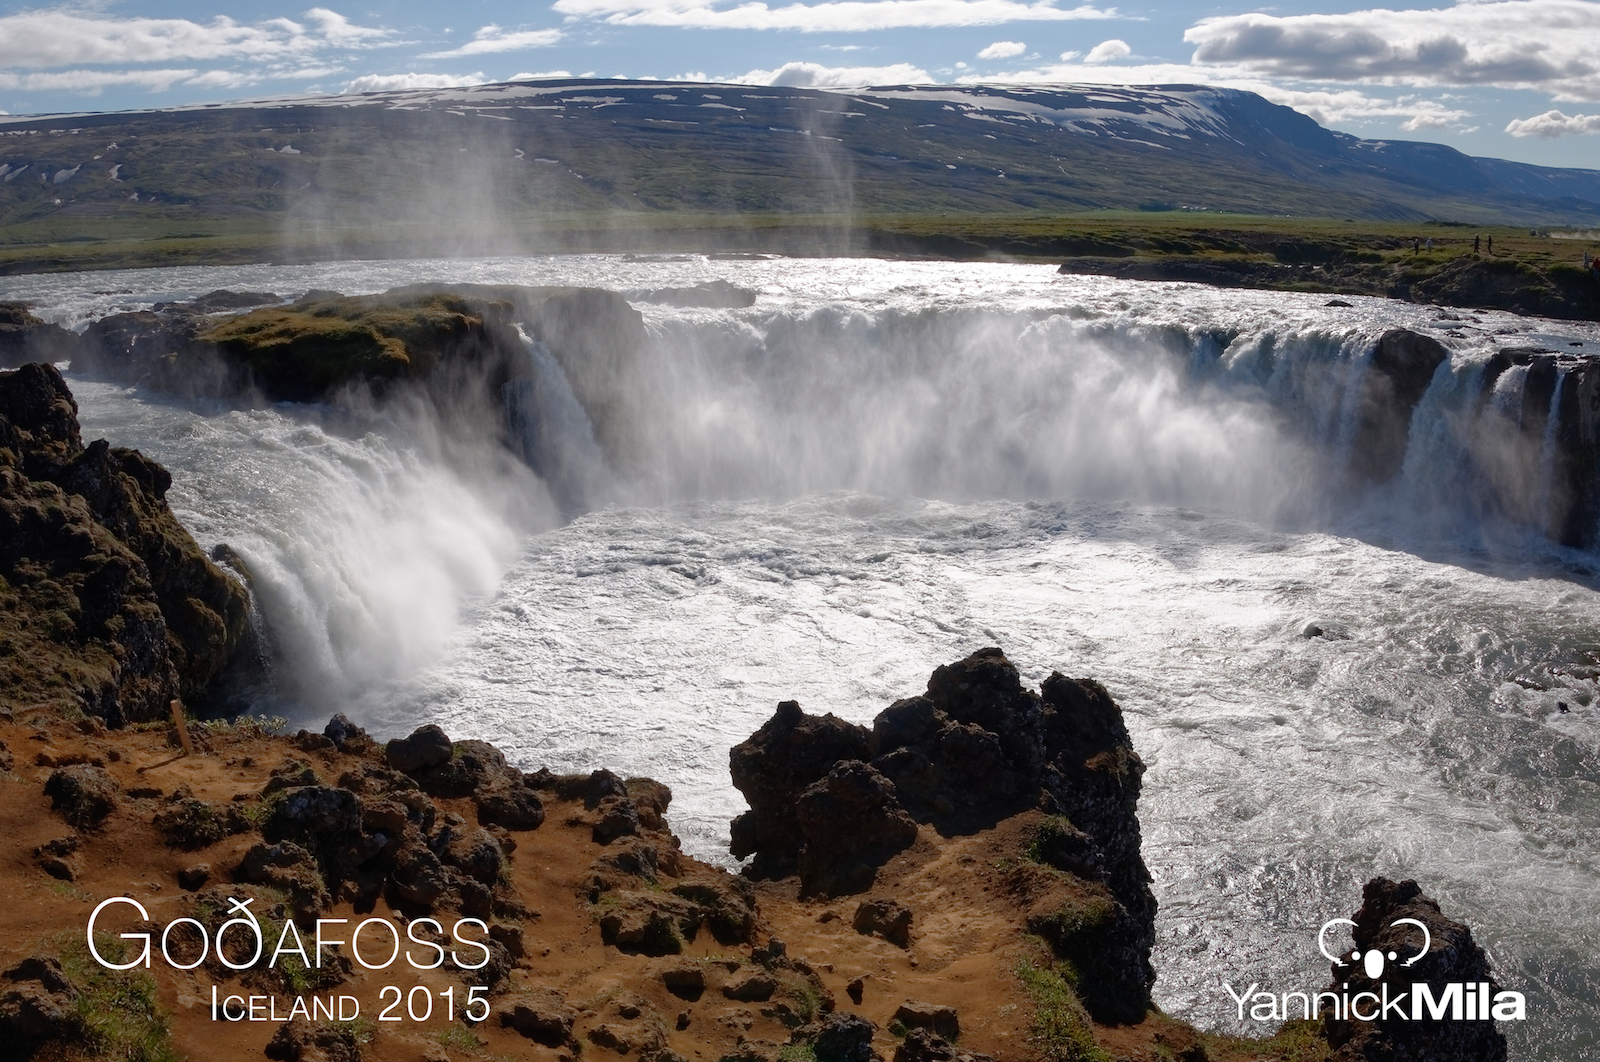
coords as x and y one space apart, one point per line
183 729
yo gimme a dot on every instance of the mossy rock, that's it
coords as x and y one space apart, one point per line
305 351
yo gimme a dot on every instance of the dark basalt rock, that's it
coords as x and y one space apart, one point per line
789 753
1402 366
291 869
852 823
427 746
841 1037
976 747
1452 956
83 794
25 338
36 1004
116 610
920 1045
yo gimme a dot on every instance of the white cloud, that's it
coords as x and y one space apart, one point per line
93 82
1067 57
1552 45
1553 124
542 75
401 82
1106 51
828 16
1003 50
491 39
67 37
815 75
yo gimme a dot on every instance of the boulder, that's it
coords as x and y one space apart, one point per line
937 1019
316 812
427 746
1452 956
299 1040
36 1003
687 981
920 1045
616 817
346 736
418 878
290 869
772 767
844 1038
471 849
750 986
540 1014
84 794
852 823
58 857
889 919
649 923
727 903
510 803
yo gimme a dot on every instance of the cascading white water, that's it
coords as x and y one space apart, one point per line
364 533
1547 444
553 433
882 466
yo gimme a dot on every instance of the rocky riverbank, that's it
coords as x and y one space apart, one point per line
996 908
1467 281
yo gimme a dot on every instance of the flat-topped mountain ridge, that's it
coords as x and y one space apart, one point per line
563 151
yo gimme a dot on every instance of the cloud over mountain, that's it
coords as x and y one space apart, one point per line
1548 45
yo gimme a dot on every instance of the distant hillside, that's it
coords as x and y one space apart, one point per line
571 152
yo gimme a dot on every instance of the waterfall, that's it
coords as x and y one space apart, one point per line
552 431
1547 446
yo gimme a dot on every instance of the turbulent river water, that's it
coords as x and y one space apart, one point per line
881 466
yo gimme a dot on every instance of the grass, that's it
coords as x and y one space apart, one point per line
1295 1041
459 1038
248 726
117 1014
1060 1029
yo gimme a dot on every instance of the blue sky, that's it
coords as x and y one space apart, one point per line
1517 79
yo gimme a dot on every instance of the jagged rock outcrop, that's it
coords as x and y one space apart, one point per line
37 1004
109 604
1452 957
976 747
25 338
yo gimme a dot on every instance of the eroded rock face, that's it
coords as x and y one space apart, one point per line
25 338
1402 366
110 605
1452 957
833 801
789 753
